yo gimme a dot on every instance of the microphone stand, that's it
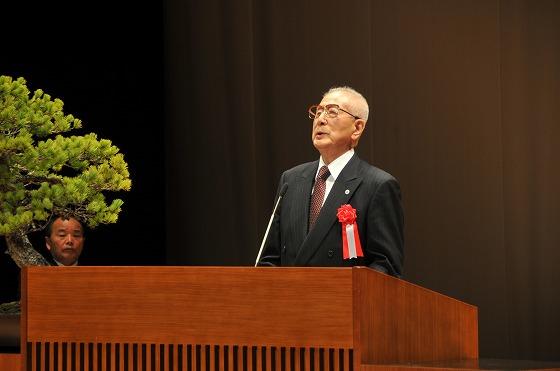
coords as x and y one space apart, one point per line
282 193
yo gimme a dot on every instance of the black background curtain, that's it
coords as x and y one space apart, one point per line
105 61
464 112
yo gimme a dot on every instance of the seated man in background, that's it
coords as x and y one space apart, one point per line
65 240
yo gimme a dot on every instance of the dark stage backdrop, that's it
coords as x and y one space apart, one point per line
105 61
465 113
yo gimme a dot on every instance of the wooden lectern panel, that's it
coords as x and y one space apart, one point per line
235 318
400 321
10 362
199 305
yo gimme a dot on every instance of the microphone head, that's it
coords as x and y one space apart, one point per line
283 189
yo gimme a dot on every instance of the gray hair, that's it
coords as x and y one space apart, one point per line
359 104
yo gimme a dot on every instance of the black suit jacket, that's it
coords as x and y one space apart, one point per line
374 194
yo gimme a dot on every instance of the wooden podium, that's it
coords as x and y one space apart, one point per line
235 318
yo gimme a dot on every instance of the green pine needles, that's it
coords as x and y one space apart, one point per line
43 172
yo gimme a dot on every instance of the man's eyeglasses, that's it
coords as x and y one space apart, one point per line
331 110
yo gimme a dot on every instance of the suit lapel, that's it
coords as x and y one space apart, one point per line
343 189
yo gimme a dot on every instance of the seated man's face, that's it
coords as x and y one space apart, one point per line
66 240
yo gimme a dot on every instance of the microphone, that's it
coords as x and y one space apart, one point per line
283 190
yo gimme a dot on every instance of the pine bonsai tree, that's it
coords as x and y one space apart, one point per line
44 173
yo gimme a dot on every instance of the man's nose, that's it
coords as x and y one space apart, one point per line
322 119
70 239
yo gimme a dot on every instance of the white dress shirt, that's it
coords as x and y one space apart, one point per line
335 168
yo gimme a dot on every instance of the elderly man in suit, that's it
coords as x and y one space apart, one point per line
338 210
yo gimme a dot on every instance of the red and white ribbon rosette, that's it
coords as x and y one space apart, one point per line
351 247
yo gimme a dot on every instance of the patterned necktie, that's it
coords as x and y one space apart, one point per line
318 195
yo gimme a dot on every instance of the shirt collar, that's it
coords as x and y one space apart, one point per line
335 167
62 265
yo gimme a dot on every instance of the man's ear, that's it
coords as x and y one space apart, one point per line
359 126
48 243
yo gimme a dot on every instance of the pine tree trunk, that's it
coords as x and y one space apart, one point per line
22 252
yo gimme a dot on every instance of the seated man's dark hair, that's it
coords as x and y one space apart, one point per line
48 227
